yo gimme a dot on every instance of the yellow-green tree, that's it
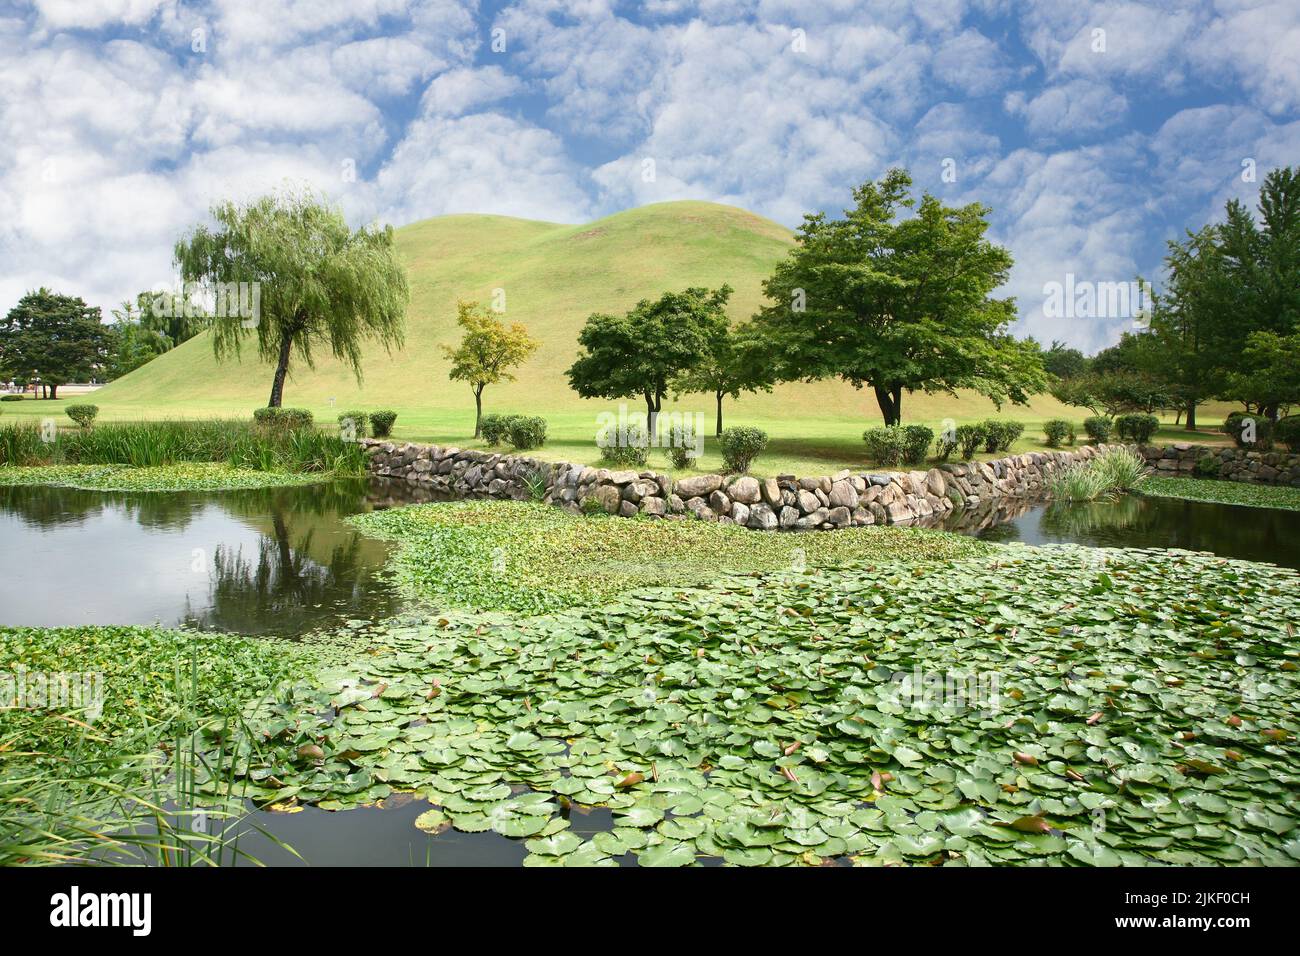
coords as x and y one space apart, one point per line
486 353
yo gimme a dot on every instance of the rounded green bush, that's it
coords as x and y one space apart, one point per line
916 442
11 398
1287 431
884 445
352 425
681 449
1136 428
1058 431
524 432
1239 425
288 418
1097 427
741 444
83 415
381 423
969 438
628 448
493 428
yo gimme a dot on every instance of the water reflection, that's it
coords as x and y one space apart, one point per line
276 561
1135 521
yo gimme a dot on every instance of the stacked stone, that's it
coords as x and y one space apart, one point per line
785 502
1227 462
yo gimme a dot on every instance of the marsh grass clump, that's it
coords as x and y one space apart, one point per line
1111 474
119 779
240 444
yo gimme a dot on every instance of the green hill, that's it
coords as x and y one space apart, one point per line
554 276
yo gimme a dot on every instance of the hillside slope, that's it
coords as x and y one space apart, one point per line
554 276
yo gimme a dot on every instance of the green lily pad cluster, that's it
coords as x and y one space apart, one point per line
1037 706
184 476
534 558
1224 492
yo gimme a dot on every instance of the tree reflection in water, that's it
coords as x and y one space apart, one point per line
268 561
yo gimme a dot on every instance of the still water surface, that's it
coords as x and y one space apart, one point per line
285 561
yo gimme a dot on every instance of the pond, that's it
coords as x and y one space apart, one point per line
278 561
285 561
1137 521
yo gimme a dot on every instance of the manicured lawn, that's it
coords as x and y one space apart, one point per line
1049 706
523 557
810 446
1224 492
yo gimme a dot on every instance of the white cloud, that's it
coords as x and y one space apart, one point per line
94 14
459 91
1075 108
486 163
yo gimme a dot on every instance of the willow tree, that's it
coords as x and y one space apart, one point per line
302 280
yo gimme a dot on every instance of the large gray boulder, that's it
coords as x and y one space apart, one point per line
698 486
745 490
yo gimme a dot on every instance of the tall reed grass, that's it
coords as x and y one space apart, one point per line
171 794
241 444
1115 472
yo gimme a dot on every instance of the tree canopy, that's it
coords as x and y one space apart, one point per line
486 353
57 338
899 301
642 352
736 360
315 281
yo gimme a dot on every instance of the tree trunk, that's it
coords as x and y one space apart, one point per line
478 412
52 391
281 370
718 428
652 405
890 400
1191 416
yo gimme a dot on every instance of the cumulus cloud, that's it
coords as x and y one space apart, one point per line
1094 130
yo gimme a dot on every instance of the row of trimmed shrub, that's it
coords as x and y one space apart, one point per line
739 445
1136 428
521 432
352 424
908 444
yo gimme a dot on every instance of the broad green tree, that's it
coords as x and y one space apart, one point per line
1191 322
1062 362
56 338
487 352
736 360
898 295
132 343
1261 264
644 351
314 281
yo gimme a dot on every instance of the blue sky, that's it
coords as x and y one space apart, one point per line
1096 131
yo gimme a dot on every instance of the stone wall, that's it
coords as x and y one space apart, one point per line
831 501
1226 462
